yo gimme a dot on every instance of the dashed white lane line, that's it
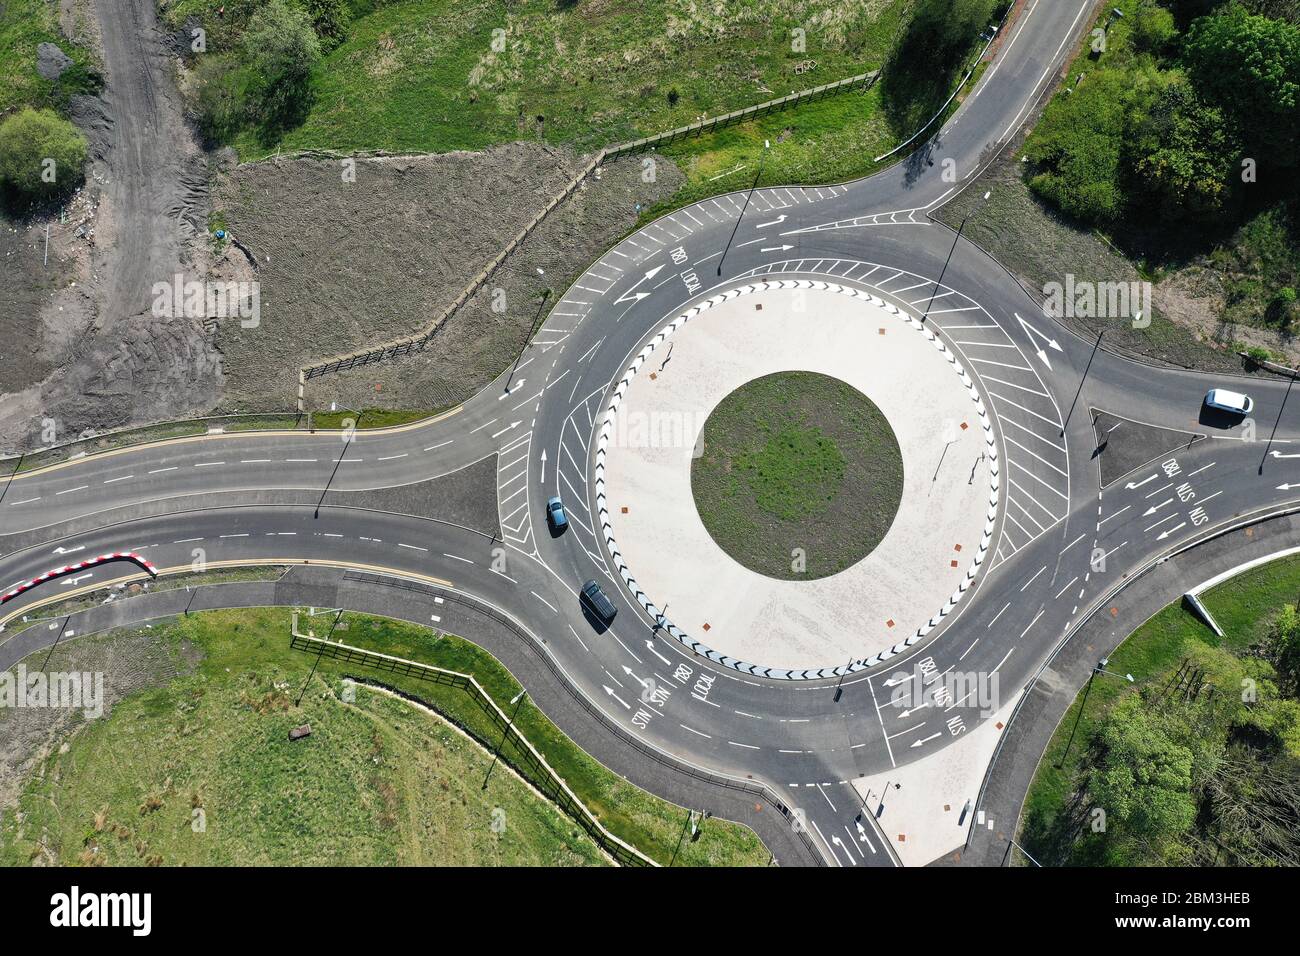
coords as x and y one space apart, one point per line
1026 630
413 547
743 714
255 461
544 601
746 746
1114 515
456 557
159 471
207 464
1034 578
300 461
109 481
998 615
907 731
968 650
694 731
1066 588
25 501
391 457
504 575
440 444
244 535
68 491
1003 661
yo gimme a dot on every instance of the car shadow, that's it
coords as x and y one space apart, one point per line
1218 418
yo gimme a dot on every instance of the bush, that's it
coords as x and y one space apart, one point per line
1250 66
1184 154
281 48
1077 147
1154 30
329 18
42 155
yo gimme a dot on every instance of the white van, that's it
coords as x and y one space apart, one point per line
1226 401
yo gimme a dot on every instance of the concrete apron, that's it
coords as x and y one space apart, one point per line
864 609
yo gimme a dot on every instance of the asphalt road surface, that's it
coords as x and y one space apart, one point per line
1061 545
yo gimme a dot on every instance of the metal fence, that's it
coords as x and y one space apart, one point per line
644 750
416 343
539 772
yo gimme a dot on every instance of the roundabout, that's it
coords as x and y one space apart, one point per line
899 528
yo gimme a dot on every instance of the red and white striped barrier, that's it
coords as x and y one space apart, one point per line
80 566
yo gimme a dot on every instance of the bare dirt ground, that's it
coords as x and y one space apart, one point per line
344 266
340 265
102 359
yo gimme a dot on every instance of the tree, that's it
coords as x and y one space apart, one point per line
1145 776
1250 67
1077 147
1283 645
281 48
42 155
1184 154
925 63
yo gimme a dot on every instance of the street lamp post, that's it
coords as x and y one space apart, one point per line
767 144
955 240
1099 668
516 700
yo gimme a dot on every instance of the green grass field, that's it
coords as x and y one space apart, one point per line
1243 606
797 460
24 25
586 74
220 733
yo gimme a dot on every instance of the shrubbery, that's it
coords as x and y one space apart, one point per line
42 155
1163 125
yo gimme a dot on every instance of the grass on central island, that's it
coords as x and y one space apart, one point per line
800 475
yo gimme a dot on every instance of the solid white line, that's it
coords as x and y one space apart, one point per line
544 601
456 557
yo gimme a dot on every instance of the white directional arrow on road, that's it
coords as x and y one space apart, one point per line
543 478
633 296
775 248
894 681
1138 484
512 389
1287 487
918 743
775 222
62 550
909 713
512 425
1154 508
1050 342
1278 454
650 646
609 690
1164 534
